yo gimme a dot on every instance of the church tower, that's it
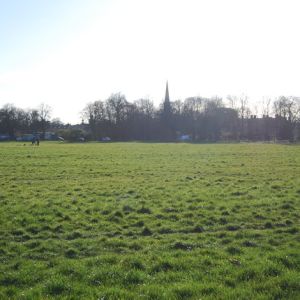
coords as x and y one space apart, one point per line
167 130
167 104
167 97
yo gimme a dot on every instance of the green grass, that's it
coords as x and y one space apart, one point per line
149 221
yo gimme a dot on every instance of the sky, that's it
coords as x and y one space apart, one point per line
67 53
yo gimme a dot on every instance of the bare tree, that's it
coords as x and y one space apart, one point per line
145 107
115 105
243 109
266 106
232 101
8 119
44 112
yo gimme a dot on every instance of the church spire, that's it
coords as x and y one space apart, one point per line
167 104
167 97
167 117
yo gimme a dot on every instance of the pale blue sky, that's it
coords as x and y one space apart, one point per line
31 29
69 52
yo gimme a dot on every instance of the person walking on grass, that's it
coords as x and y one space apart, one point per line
33 140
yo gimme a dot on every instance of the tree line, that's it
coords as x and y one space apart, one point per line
16 121
200 119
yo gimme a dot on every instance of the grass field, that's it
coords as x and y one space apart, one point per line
149 221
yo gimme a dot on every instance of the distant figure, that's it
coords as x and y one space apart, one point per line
35 140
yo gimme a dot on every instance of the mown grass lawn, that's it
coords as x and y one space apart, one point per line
149 221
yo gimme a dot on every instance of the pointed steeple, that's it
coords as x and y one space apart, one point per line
167 117
167 97
167 105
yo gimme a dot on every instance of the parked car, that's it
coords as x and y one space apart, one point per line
105 139
4 137
184 138
25 138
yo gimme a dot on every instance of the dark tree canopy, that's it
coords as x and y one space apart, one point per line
200 119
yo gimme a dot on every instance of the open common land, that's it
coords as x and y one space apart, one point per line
149 221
